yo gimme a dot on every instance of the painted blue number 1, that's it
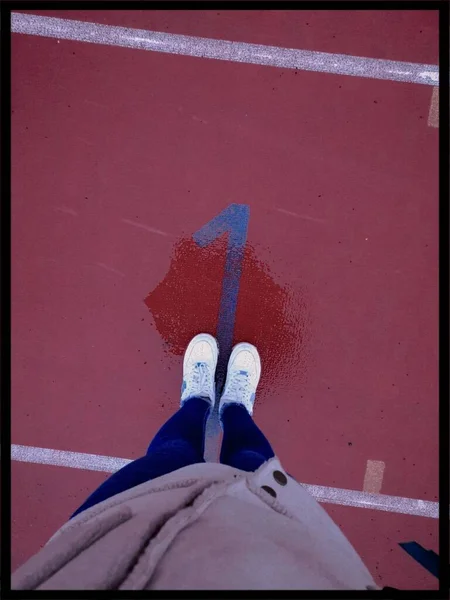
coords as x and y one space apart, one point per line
234 221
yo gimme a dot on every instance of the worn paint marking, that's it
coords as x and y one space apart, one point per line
433 115
145 227
373 478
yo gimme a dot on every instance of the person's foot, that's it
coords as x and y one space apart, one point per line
244 371
199 367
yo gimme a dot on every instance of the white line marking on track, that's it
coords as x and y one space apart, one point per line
241 52
373 477
433 115
110 464
395 504
64 458
146 227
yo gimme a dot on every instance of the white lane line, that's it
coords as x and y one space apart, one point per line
110 464
288 58
433 115
64 458
394 504
373 477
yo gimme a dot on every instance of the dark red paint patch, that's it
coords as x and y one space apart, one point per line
269 315
273 316
186 302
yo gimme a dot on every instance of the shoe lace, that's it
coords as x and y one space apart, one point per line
201 376
238 387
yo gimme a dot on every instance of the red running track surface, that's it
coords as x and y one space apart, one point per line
339 287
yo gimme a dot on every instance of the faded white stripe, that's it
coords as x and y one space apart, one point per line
66 210
146 227
433 115
373 477
296 215
110 464
110 269
288 58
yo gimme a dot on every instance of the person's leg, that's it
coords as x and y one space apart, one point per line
244 446
179 442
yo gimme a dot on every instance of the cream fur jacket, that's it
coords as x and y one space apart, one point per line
206 526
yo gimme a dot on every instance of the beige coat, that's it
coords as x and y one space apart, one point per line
206 526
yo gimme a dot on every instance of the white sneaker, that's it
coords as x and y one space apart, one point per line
244 371
199 367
